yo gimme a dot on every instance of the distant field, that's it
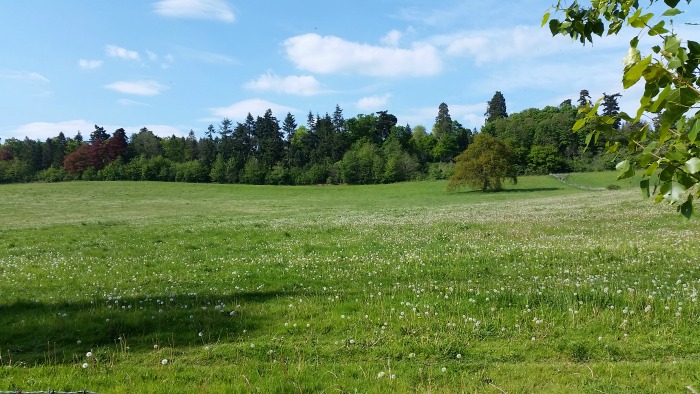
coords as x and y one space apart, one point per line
387 288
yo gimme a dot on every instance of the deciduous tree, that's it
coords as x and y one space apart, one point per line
486 162
670 73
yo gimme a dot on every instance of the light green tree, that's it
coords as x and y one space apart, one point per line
486 162
671 77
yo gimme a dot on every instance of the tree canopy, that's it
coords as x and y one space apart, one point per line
671 77
484 164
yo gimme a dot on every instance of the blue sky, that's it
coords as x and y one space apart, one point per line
176 65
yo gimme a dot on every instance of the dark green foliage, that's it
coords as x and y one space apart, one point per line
496 108
329 149
545 160
611 107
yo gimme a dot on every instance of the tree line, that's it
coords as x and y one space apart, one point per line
365 149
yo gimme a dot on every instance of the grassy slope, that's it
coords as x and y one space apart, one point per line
326 288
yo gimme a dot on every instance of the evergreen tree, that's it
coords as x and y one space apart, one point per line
338 120
584 98
496 108
443 121
289 125
271 146
612 108
99 134
383 125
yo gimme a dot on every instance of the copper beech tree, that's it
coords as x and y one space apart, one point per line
671 77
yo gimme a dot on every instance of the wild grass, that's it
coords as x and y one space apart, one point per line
388 288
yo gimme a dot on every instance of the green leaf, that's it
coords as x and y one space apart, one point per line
672 191
554 26
671 44
623 165
658 29
634 73
651 169
686 209
640 21
661 100
692 166
672 3
579 123
666 174
634 42
672 12
694 129
644 185
545 18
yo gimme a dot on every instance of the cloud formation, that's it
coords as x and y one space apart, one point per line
89 64
44 130
141 88
122 53
196 9
23 75
333 55
300 85
256 107
373 103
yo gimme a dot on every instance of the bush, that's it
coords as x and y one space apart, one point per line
51 174
440 171
191 171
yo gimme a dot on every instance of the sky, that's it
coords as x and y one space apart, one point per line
179 65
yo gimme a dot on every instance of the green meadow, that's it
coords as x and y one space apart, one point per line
120 287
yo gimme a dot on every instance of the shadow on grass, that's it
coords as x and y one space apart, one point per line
37 332
528 190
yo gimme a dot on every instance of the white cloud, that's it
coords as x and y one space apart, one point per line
373 103
330 55
207 57
195 9
122 53
520 42
301 85
142 88
131 103
392 38
89 64
44 130
256 107
497 45
469 115
152 56
23 75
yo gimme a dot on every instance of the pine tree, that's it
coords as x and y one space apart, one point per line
338 120
584 98
612 108
289 125
496 108
443 121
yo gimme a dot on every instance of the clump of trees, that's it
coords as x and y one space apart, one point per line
368 148
364 149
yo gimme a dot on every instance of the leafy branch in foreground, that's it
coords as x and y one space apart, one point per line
671 93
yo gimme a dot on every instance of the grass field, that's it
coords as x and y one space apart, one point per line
160 287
